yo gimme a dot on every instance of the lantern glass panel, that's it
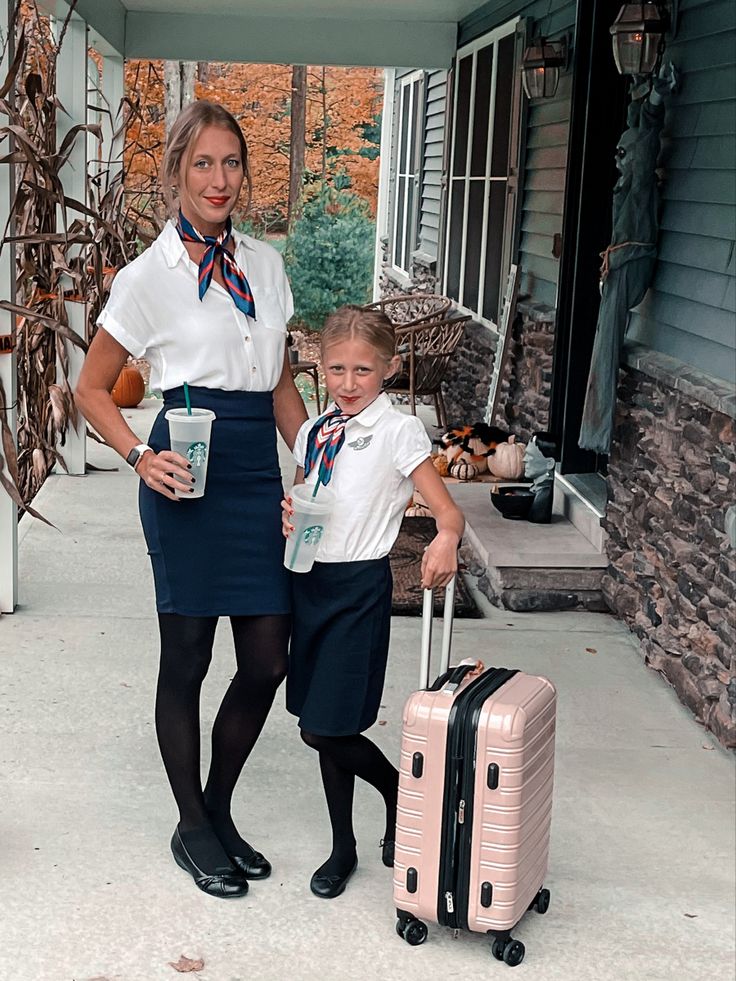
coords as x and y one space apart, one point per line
636 52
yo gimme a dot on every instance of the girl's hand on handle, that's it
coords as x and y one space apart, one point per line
161 472
286 512
439 563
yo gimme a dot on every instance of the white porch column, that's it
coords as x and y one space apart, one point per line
71 87
113 89
8 368
384 174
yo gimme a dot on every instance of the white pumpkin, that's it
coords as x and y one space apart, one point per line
508 460
463 470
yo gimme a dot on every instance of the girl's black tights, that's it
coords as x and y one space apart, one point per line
341 759
186 651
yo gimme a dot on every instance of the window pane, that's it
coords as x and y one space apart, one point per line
399 230
454 240
483 72
410 244
504 90
473 243
464 72
494 249
414 135
405 92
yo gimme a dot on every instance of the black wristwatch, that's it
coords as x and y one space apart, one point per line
136 453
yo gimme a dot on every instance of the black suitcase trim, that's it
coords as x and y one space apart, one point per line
462 729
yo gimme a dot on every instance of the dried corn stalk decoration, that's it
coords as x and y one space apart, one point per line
56 260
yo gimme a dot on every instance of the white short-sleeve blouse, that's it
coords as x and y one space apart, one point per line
155 312
371 480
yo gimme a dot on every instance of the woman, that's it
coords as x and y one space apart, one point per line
207 306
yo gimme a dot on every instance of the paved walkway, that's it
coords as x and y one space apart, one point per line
642 863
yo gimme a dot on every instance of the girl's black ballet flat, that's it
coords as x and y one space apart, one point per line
329 886
388 847
251 864
223 883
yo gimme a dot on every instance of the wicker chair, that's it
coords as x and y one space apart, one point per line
409 309
425 349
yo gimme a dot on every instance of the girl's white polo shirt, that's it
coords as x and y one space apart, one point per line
370 479
155 312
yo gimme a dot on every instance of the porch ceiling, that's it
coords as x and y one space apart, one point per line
401 33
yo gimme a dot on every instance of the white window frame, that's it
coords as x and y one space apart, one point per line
492 37
409 226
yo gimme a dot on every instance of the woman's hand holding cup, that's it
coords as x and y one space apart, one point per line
165 472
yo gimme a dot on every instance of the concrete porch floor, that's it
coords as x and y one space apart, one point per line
642 859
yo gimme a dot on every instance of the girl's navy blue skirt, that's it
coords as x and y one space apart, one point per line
339 645
221 554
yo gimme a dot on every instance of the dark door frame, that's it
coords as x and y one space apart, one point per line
597 117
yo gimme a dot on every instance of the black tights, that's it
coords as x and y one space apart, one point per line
186 651
341 759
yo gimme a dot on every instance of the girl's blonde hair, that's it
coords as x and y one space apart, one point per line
352 322
188 125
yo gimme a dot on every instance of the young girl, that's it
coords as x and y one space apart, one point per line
372 456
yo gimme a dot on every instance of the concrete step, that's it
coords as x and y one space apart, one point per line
527 567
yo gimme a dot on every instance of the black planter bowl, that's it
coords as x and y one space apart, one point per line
514 501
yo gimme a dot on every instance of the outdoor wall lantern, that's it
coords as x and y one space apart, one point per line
638 37
540 67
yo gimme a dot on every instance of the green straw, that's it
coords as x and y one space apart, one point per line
186 399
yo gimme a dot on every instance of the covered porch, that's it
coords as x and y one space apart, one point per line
642 839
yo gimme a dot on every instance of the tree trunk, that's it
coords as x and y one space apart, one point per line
179 79
298 138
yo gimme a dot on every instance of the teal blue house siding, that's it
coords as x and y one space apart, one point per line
690 311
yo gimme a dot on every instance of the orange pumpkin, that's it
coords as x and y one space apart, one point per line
129 389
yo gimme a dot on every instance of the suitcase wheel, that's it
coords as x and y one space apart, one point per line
413 931
509 951
541 902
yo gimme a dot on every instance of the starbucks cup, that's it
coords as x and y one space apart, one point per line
190 437
309 520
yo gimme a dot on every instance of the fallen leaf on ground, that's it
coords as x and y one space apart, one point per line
591 650
185 965
709 748
382 722
691 916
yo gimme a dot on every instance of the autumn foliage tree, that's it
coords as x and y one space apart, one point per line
340 127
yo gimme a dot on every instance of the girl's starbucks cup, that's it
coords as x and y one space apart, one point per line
309 520
190 436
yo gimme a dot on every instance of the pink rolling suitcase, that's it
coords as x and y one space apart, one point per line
475 798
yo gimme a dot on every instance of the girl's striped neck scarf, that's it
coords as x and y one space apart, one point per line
235 281
326 438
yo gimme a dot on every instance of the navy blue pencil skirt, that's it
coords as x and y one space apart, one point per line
221 554
339 645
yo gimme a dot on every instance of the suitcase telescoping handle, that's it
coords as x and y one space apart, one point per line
427 610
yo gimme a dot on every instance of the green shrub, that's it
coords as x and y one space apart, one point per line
329 255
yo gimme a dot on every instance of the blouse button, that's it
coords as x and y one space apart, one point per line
246 338
254 368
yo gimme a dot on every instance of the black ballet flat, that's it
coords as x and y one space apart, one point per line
224 883
329 886
388 847
251 864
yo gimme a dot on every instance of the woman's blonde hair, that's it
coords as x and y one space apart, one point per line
188 125
352 322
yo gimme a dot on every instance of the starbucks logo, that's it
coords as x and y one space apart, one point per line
197 454
313 534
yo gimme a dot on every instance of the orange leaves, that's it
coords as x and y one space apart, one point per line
343 107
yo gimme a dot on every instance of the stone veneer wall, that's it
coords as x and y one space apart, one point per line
672 491
526 383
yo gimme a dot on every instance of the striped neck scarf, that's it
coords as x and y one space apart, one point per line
235 281
326 437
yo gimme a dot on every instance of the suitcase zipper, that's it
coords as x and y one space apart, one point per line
457 808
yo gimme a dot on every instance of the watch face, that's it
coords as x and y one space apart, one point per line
132 457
